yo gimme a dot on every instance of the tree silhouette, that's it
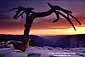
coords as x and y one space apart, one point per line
29 19
31 15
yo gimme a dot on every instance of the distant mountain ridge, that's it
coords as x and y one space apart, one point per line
54 41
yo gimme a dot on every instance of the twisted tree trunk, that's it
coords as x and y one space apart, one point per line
27 37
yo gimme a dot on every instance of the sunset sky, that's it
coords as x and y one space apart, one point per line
42 25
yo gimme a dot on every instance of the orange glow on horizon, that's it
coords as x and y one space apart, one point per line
43 27
69 31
